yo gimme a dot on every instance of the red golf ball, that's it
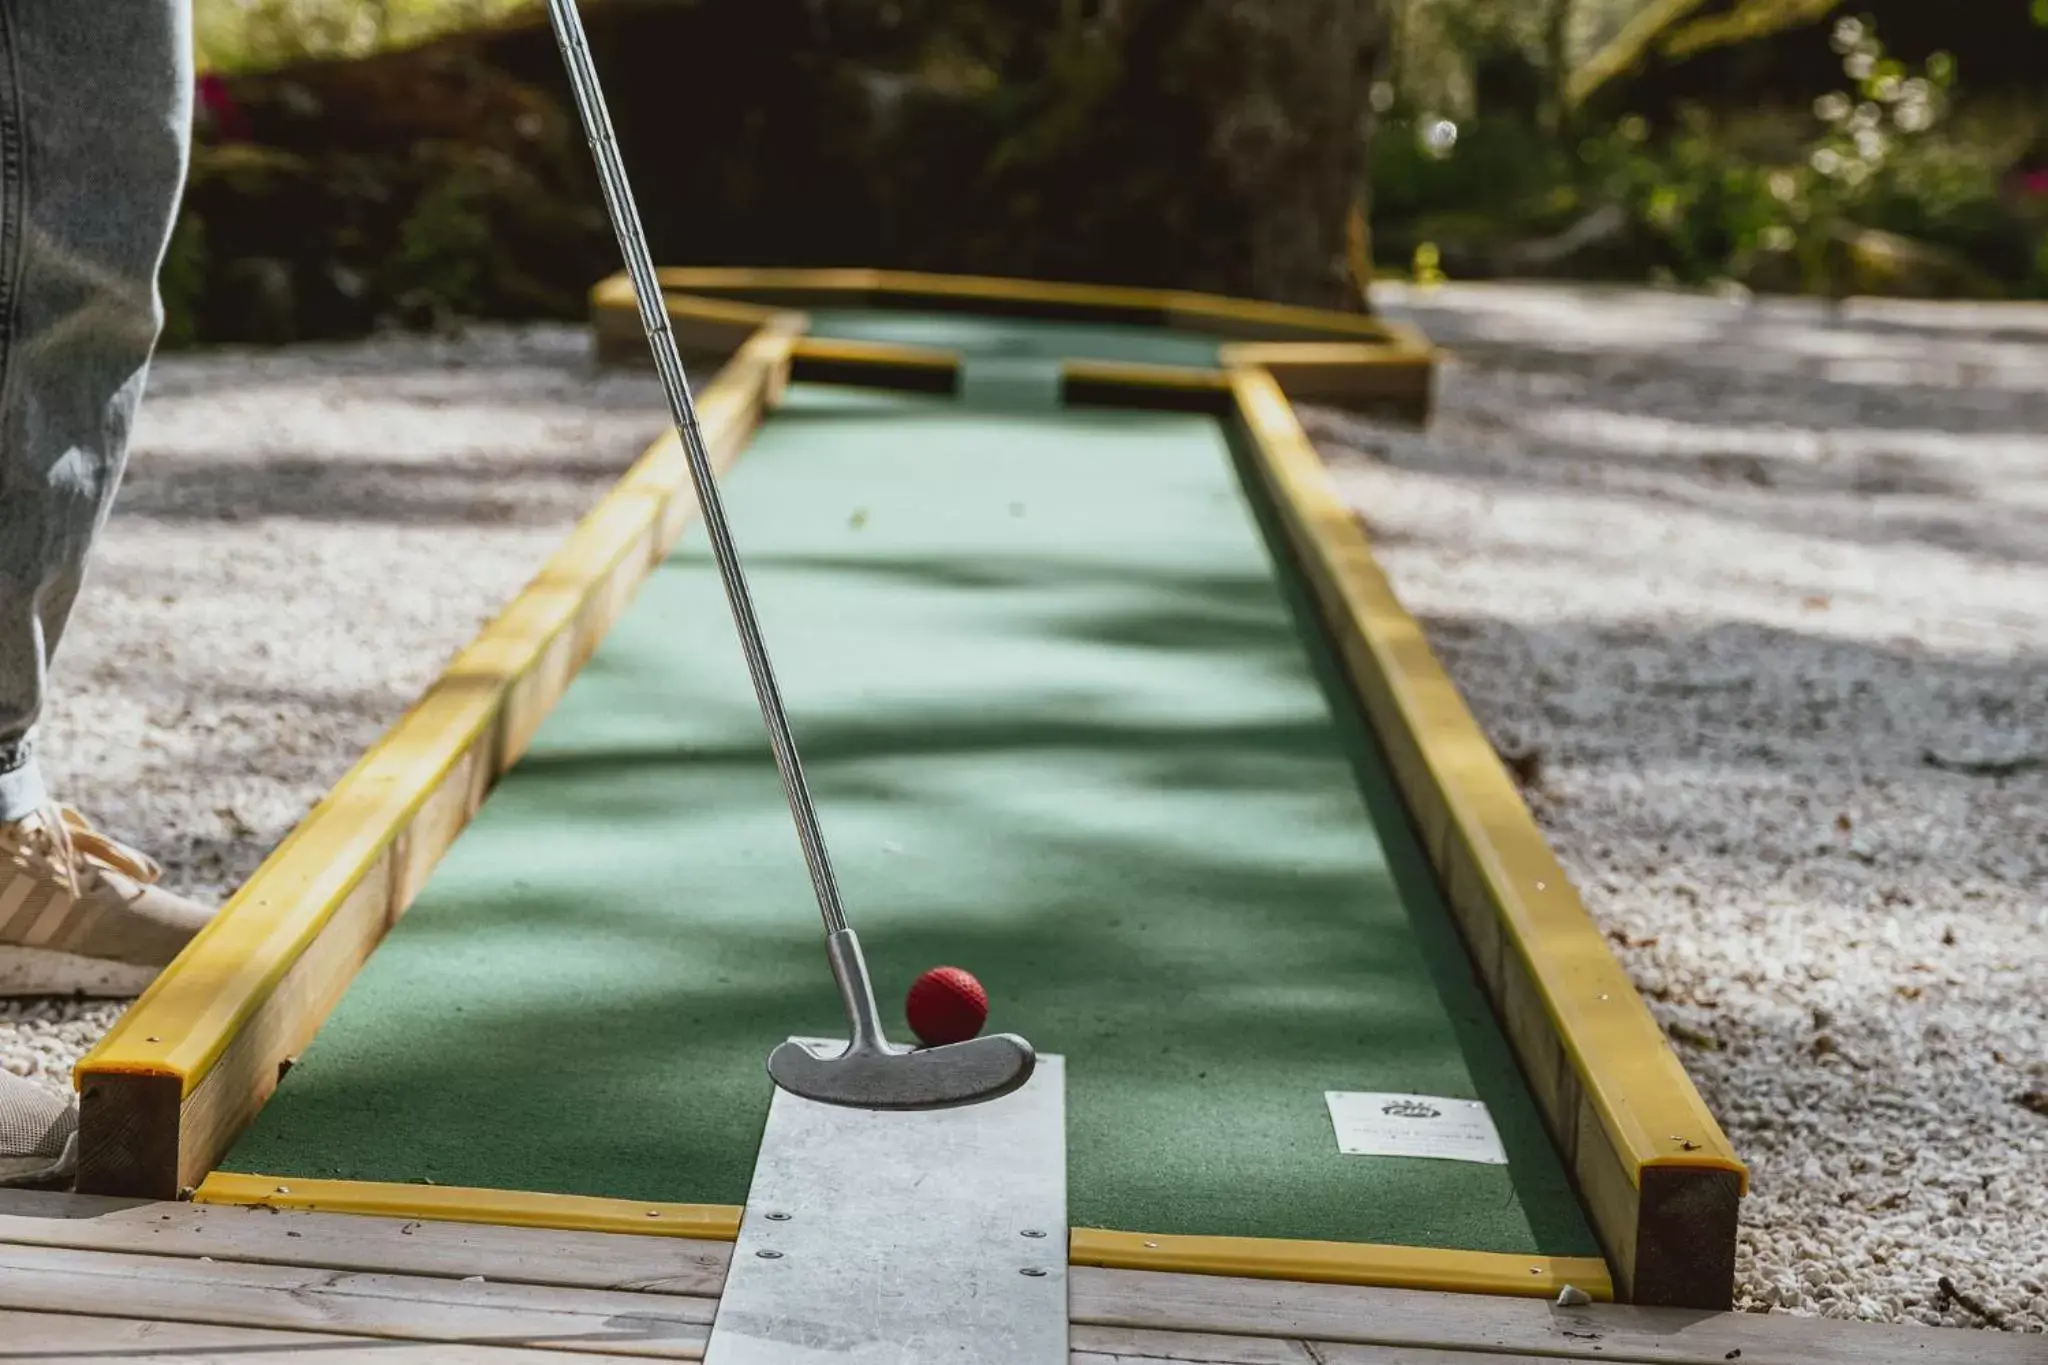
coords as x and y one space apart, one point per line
946 1005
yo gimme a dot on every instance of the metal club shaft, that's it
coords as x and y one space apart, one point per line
597 126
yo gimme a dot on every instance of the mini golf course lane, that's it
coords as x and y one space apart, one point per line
1068 728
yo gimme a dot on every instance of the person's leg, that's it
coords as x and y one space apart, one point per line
95 126
95 107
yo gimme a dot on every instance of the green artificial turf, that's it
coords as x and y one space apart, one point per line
1066 729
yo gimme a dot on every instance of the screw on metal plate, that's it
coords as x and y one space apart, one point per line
1033 1271
769 1255
1033 1232
777 1217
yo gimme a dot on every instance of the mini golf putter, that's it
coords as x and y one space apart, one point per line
871 1073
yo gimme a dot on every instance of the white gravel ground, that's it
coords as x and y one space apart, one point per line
1762 597
1758 596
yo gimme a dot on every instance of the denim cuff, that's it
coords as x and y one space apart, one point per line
21 784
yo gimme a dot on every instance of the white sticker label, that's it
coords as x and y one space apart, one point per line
1370 1124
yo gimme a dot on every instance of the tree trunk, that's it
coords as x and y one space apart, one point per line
1291 124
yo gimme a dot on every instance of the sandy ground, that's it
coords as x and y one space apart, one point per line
1759 595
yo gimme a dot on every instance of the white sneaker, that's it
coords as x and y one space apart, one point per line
38 1133
81 914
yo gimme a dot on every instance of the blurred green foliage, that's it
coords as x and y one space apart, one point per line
182 280
1884 183
240 35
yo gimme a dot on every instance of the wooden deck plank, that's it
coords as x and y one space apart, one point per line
1098 1345
360 1277
1119 1346
402 1307
335 1241
1410 1318
1339 1353
68 1336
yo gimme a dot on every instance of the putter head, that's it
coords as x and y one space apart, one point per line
870 1073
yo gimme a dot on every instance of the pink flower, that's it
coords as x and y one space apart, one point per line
217 110
2033 183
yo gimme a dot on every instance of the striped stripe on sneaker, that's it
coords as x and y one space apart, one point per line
81 912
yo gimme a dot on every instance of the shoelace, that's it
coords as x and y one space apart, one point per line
65 844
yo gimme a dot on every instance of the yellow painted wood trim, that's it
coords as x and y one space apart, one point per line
185 1019
1183 309
1395 377
1648 1106
459 1204
1250 354
741 280
1143 375
614 293
750 316
879 355
1408 337
1355 1263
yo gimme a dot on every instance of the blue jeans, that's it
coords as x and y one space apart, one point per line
95 128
